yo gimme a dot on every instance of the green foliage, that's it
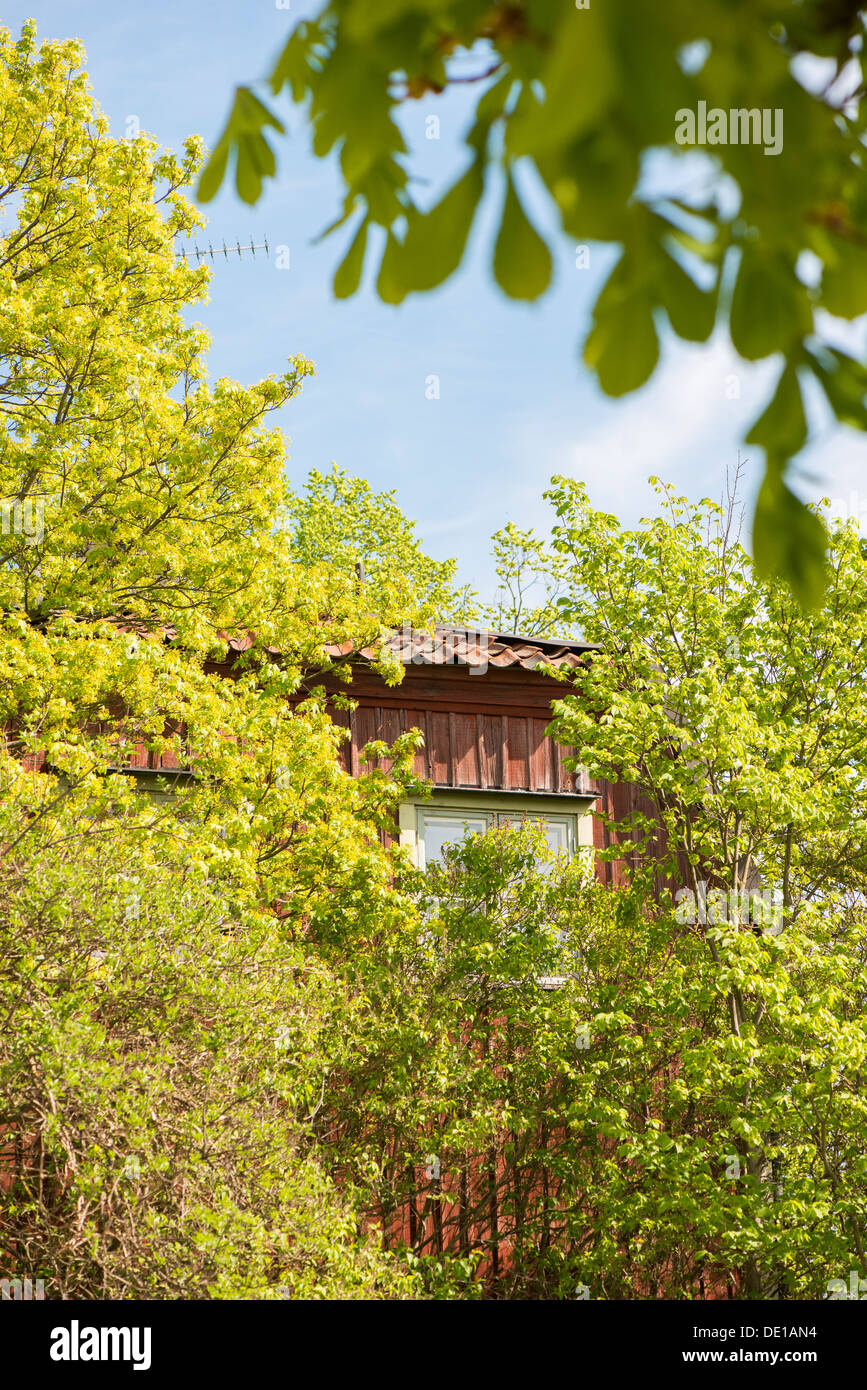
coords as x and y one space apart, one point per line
734 708
159 1068
337 523
587 95
531 575
522 261
168 594
738 713
565 1052
160 495
789 538
247 120
237 1027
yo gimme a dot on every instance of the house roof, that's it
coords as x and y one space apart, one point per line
474 647
446 646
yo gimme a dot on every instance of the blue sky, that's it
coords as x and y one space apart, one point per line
515 406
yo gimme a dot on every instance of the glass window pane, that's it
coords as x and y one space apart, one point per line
439 831
557 835
556 828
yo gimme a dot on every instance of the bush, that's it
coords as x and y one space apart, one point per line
161 1060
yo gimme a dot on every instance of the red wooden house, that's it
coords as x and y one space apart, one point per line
483 703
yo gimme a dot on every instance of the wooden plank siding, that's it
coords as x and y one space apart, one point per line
439 749
480 731
464 749
490 727
505 753
619 801
488 732
483 730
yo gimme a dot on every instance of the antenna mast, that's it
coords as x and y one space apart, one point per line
227 251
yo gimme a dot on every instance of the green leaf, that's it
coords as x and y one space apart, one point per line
782 428
248 179
522 261
435 241
770 311
844 281
789 540
291 68
622 346
214 172
347 277
243 131
691 310
844 384
624 350
388 284
592 181
580 80
251 115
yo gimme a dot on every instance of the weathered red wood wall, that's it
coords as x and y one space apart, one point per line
492 752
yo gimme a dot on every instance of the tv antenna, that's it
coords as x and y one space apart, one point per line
237 250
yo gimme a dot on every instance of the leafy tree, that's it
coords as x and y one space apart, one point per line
739 715
531 576
342 529
157 495
682 1113
159 1069
582 100
163 590
543 1088
138 491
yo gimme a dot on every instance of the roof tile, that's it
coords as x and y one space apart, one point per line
469 647
445 646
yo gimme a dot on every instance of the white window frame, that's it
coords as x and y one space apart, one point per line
547 818
426 814
491 817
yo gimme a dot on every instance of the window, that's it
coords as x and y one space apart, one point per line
557 830
439 828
